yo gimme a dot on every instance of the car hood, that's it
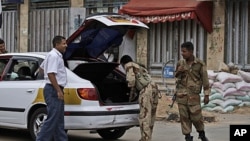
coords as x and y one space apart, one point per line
98 33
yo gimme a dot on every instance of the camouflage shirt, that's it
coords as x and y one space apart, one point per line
130 75
137 76
194 78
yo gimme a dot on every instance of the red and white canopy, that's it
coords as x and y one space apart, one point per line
154 11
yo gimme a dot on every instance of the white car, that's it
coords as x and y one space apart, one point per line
96 95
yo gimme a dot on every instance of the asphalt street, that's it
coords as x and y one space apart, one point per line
163 131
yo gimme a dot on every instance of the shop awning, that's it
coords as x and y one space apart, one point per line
155 11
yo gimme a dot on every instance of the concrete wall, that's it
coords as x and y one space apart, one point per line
141 46
23 36
215 43
23 33
76 3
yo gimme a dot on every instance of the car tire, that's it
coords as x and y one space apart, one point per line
37 119
112 134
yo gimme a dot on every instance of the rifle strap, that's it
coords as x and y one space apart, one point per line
188 72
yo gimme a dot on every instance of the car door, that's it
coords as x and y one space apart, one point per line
18 89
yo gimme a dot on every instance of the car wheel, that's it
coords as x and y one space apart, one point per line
36 121
112 134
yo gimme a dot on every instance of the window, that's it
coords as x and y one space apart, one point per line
103 6
3 63
22 69
237 33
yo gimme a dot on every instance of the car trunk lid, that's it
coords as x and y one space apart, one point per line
98 33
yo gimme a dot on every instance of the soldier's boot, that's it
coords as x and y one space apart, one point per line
188 137
202 136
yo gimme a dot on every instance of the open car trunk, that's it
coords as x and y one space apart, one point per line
97 34
111 83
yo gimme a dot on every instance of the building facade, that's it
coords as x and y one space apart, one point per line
30 25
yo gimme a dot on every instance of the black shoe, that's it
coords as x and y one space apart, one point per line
189 138
202 136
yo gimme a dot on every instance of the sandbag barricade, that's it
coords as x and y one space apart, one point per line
227 91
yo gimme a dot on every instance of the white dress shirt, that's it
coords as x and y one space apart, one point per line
54 63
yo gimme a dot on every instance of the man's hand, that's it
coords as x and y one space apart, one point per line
180 69
60 95
132 94
206 99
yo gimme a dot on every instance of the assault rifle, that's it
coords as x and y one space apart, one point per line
175 93
173 100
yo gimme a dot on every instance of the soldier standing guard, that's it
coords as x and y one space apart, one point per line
139 79
192 75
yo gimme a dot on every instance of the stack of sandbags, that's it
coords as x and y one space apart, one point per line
244 86
227 90
211 77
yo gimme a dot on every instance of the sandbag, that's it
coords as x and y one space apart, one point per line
229 97
216 96
234 91
216 101
202 98
213 91
225 77
230 102
207 109
244 75
224 86
228 109
211 74
217 109
245 103
243 86
211 105
243 98
219 90
210 82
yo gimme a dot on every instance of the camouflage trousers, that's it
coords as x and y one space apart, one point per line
148 101
190 114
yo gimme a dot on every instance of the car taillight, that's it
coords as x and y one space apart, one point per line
87 93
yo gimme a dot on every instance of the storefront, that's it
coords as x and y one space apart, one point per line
171 23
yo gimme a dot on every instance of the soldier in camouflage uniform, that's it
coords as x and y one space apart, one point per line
148 97
191 74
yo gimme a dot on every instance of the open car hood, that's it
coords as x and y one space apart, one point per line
98 33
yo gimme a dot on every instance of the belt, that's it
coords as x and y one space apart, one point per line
52 85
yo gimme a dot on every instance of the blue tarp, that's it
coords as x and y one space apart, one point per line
95 41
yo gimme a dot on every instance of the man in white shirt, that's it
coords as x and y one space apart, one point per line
56 79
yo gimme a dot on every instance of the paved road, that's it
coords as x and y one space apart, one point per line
164 131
